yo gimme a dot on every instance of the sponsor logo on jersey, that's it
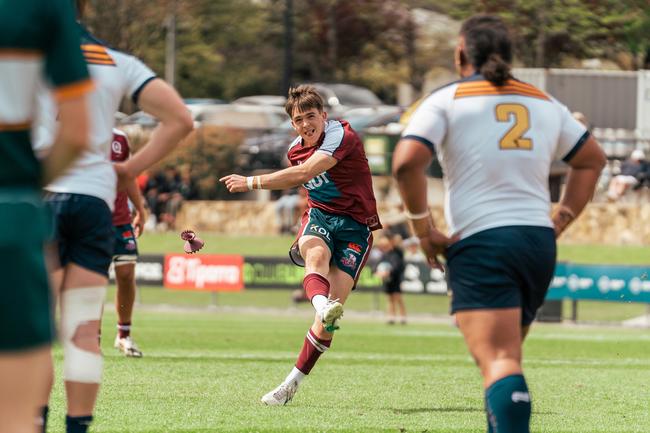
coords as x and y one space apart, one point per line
317 182
116 147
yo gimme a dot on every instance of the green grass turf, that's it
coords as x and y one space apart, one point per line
166 242
205 372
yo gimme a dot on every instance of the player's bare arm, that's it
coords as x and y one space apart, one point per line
287 178
410 161
133 192
163 102
583 175
71 140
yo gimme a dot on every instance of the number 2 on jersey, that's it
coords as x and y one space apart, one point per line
513 139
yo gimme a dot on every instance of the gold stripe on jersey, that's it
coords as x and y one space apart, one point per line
74 90
486 88
11 127
97 55
19 53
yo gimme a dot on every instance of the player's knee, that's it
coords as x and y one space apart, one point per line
317 257
81 311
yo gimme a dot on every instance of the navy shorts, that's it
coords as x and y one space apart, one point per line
348 240
83 231
504 267
126 246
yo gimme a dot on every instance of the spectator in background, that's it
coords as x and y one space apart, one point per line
632 170
391 270
182 188
159 191
285 209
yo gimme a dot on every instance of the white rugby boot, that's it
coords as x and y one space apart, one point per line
281 395
128 347
330 314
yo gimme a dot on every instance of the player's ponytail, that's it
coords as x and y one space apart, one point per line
495 70
488 47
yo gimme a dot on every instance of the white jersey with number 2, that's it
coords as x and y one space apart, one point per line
495 146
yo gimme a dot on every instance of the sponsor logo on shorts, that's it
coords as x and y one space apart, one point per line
354 247
130 245
519 396
127 234
315 228
350 261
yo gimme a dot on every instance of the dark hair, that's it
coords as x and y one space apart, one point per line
304 98
80 8
488 47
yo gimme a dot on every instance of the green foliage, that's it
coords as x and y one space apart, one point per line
231 48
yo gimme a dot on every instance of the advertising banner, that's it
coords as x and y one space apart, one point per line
204 272
601 282
276 272
148 271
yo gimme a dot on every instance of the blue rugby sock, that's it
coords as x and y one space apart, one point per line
489 424
508 405
77 424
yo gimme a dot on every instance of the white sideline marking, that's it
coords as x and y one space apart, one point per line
353 356
532 336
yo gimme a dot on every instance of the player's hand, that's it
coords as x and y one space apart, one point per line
562 217
434 245
235 183
138 222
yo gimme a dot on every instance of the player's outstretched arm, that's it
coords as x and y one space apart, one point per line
71 140
585 168
163 102
287 178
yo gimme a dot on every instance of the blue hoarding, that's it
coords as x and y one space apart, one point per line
601 282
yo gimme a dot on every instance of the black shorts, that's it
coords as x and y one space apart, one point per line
503 267
392 288
83 231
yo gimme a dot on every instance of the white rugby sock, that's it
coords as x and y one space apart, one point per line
295 376
319 302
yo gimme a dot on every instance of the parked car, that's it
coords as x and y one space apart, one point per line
268 150
340 97
274 100
262 117
362 119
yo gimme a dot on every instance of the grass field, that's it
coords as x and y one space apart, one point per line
204 370
278 245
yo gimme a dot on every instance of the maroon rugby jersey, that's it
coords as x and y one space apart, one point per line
346 188
120 152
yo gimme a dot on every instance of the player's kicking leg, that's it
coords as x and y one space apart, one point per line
317 340
124 300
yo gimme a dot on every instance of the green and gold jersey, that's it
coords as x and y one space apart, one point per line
39 45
